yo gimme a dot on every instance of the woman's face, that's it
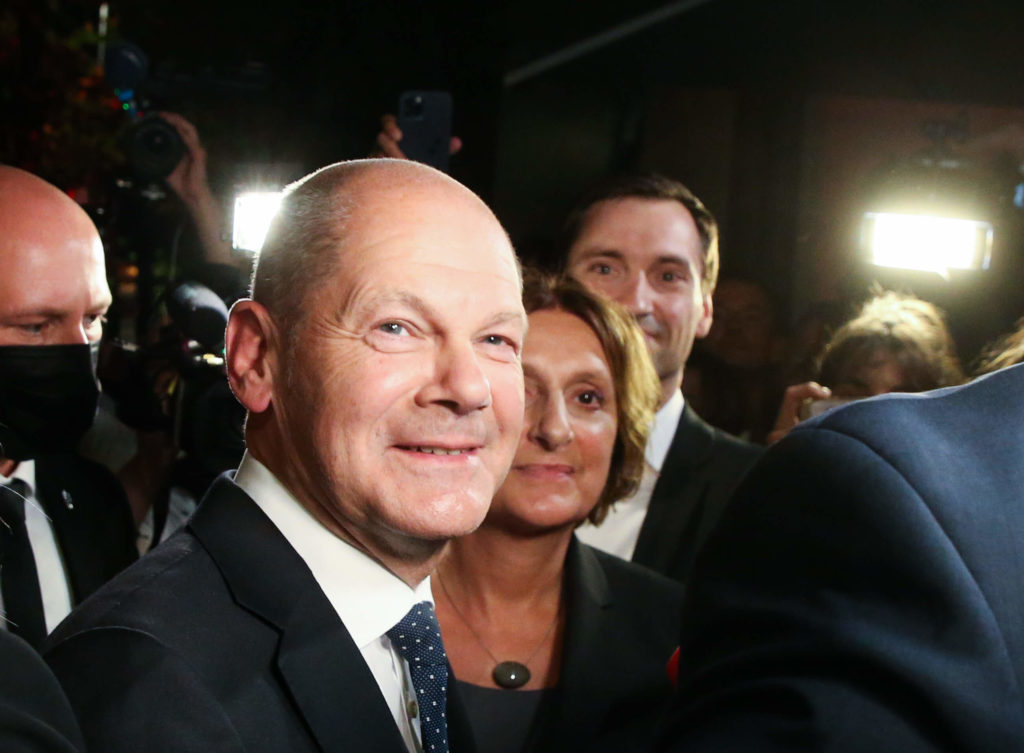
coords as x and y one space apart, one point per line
878 375
566 446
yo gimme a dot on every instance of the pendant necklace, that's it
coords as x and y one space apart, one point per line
506 674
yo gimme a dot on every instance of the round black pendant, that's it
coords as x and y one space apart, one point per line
511 675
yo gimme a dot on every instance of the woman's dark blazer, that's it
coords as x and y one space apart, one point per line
622 627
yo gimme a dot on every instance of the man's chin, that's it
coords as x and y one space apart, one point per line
443 519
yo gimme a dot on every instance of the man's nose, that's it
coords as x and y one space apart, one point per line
637 295
550 426
73 333
460 382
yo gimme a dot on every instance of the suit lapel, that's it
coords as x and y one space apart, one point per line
321 666
584 681
460 734
331 684
65 502
673 517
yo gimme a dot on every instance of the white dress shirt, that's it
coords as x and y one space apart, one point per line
368 598
620 530
53 576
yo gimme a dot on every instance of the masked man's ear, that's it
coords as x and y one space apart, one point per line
250 355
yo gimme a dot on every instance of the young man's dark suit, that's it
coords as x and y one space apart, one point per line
703 467
227 643
864 590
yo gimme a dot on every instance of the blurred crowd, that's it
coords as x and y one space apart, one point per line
552 469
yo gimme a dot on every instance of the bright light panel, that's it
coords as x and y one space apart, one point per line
928 243
253 212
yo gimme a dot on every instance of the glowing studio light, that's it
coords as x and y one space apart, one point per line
253 212
926 242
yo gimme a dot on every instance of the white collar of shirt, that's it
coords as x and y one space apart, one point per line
53 578
26 471
663 431
368 597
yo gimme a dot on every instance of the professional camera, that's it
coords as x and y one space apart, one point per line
154 148
176 384
152 145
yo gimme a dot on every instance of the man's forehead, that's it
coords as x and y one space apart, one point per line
442 229
42 274
638 228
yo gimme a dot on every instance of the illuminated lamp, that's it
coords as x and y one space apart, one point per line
254 211
930 215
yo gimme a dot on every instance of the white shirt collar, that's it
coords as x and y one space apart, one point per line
368 597
26 471
663 431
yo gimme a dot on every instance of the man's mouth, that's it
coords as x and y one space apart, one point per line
431 450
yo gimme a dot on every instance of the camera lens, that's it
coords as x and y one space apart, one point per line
413 107
154 148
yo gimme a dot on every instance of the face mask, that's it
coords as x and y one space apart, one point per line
48 396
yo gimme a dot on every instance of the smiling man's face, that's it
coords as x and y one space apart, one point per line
404 392
646 254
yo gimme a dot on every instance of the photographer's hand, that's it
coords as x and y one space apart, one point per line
189 181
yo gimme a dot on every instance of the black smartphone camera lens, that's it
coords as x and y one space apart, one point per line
413 107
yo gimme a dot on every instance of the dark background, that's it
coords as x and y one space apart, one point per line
777 113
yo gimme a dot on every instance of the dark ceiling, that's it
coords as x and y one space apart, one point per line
323 72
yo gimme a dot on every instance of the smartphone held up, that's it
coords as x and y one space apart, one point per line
425 119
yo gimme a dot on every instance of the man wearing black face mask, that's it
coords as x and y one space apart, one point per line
66 526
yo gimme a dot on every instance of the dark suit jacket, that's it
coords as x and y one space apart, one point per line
621 629
703 467
221 640
34 714
865 589
91 518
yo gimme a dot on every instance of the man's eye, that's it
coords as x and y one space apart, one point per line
394 328
33 328
669 276
601 269
500 340
91 320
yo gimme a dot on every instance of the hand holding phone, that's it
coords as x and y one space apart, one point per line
425 119
817 407
792 410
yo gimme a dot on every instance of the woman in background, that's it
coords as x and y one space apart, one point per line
556 646
896 343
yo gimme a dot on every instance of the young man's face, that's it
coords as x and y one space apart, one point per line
647 255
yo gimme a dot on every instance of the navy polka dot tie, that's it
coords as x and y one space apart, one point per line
417 638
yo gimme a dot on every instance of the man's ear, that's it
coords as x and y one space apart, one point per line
250 354
707 315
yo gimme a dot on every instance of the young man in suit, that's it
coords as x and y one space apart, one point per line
66 526
651 245
378 359
863 589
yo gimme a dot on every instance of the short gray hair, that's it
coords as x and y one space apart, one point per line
303 246
295 258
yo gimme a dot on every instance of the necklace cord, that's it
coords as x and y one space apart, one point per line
476 635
